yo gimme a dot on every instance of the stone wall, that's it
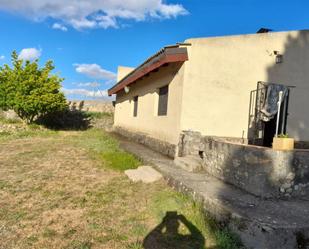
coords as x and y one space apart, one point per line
94 106
153 143
258 170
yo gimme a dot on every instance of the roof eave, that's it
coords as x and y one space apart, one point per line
167 55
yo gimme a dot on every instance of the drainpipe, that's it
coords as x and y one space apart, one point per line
278 113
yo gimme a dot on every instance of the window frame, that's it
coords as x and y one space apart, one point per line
135 106
162 107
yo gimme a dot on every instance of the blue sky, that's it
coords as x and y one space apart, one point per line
88 39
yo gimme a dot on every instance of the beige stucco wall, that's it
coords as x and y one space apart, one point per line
211 91
166 128
123 71
222 71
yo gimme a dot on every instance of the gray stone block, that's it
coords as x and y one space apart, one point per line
258 170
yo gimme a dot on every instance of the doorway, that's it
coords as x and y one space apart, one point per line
261 132
270 126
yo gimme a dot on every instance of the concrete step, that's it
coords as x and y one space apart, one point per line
189 163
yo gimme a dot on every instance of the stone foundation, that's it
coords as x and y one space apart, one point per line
258 170
157 145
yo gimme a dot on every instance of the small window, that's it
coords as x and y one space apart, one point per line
163 100
135 101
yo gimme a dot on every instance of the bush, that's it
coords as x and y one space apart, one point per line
31 91
66 120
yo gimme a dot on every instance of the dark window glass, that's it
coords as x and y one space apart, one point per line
135 100
163 100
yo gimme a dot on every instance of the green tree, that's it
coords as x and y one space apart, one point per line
29 90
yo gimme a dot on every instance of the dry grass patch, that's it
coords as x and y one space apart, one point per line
59 190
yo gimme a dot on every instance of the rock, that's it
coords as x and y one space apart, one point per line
289 190
286 185
236 163
296 187
189 163
10 115
145 174
282 190
290 176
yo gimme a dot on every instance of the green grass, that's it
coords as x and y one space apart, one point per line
80 245
120 160
135 245
225 239
4 185
95 140
168 201
105 148
49 233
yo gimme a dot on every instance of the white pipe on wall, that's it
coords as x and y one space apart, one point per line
278 113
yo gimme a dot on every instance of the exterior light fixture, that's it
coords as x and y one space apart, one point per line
127 89
279 57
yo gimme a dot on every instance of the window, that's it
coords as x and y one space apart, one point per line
135 101
163 100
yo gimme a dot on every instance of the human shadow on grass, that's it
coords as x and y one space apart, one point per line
167 234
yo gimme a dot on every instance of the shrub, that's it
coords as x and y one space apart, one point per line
66 120
29 90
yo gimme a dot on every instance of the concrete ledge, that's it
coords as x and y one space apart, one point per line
261 224
258 170
153 143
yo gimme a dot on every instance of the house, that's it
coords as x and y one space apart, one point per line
216 86
212 105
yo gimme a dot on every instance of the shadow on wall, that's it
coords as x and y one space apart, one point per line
291 70
169 234
294 71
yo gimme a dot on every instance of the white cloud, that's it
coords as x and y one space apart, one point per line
89 84
29 54
94 71
60 27
2 57
86 93
82 14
